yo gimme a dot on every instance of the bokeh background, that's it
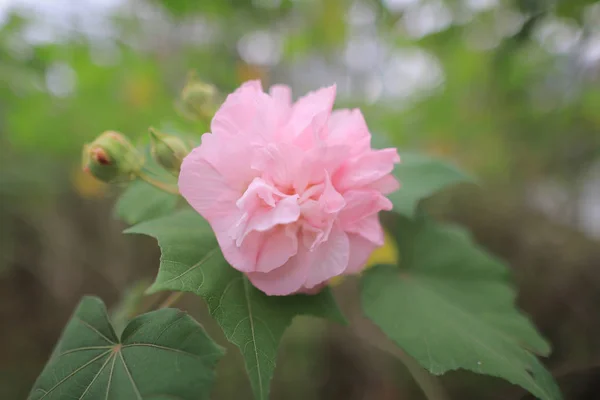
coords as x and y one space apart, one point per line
507 89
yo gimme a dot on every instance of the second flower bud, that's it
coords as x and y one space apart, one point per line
168 150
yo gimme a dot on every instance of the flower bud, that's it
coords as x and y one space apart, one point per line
199 100
168 150
112 158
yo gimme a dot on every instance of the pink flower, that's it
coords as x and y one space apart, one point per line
292 191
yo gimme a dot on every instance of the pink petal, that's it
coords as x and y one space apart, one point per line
263 207
285 280
282 94
279 162
281 106
249 113
386 185
312 134
348 127
360 251
369 228
204 188
285 212
331 201
318 162
278 246
314 290
361 204
329 259
310 106
243 258
367 169
232 159
258 193
254 84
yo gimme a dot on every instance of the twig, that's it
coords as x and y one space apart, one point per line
158 184
172 299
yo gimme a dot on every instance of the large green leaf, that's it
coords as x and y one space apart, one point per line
191 261
142 201
451 306
164 354
421 176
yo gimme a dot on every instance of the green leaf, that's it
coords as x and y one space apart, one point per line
162 354
420 177
142 201
192 262
451 306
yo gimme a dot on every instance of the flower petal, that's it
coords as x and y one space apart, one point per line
308 107
369 228
361 204
285 280
348 127
367 169
329 259
204 188
360 251
278 247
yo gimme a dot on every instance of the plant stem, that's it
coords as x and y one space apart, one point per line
169 301
158 184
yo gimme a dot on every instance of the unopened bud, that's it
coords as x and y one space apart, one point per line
199 100
112 158
168 150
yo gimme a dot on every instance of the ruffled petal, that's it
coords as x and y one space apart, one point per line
279 245
232 159
312 109
329 259
369 228
360 251
386 185
361 204
285 280
367 169
204 188
348 127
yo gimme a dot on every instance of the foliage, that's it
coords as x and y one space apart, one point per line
421 177
450 305
162 354
447 291
498 110
192 261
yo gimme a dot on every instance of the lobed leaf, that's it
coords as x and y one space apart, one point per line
420 177
451 306
191 261
161 354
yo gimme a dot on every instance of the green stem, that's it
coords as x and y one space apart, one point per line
158 184
172 299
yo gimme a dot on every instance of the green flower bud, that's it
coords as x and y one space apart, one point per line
168 150
199 100
112 158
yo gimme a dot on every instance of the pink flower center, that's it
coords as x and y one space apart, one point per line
265 206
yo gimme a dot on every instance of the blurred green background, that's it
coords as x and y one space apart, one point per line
507 89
